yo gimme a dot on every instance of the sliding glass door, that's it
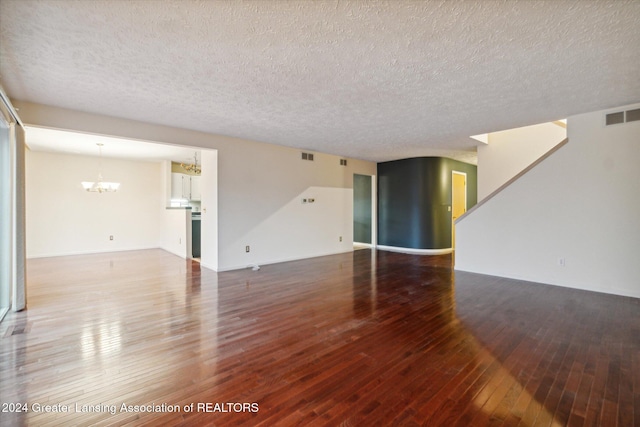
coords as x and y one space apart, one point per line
5 216
12 212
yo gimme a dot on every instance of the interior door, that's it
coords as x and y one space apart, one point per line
458 201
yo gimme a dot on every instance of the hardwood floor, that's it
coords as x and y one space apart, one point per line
357 339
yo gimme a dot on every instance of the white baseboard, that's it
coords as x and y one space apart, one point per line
277 261
72 253
207 266
183 256
362 245
543 281
413 251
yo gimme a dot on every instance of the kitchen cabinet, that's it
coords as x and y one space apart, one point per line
186 187
195 188
177 186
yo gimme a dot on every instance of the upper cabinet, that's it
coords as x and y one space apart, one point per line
185 187
195 188
176 186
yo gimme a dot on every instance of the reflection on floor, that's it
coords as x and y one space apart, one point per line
363 338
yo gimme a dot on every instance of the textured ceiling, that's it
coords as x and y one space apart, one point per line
373 80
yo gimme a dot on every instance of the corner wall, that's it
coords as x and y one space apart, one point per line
579 206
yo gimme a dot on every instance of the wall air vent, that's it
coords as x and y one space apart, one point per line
633 115
615 118
343 162
307 156
622 117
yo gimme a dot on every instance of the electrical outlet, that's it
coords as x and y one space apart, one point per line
110 237
247 248
340 238
312 200
180 240
561 262
304 201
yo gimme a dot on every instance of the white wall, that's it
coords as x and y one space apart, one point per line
209 210
175 231
63 219
296 230
511 151
581 204
256 184
268 213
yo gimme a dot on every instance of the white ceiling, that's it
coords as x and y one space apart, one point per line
61 141
377 80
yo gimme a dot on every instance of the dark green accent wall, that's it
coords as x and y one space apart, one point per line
362 208
414 196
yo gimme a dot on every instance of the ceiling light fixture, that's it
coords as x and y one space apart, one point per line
193 167
100 186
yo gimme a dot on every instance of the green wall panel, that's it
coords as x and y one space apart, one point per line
414 196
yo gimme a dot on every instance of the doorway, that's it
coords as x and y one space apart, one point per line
363 210
458 201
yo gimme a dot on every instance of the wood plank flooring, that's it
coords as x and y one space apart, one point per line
360 339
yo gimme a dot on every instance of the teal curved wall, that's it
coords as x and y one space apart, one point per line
414 197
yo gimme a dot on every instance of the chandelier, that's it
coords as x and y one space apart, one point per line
193 167
100 186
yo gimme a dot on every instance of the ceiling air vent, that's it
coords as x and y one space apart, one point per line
633 115
615 118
